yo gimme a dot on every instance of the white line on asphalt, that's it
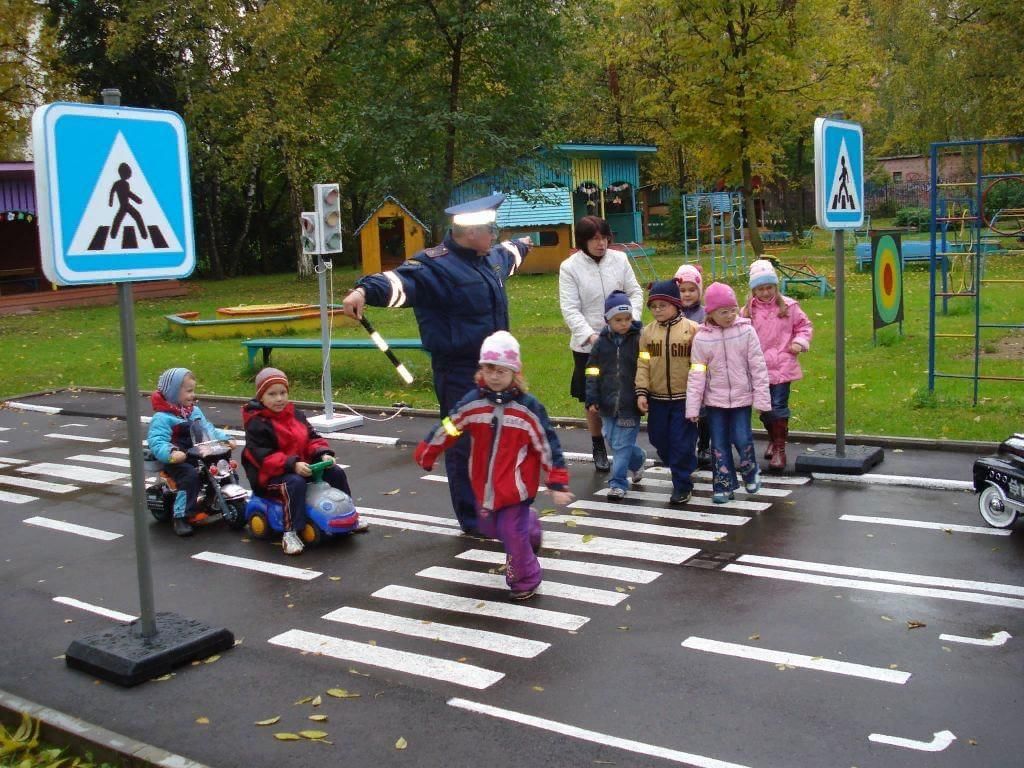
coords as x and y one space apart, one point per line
414 516
491 608
875 586
72 472
7 460
925 524
78 530
408 526
274 569
662 512
356 438
940 740
110 461
881 674
932 483
999 638
5 429
495 642
628 525
870 573
16 498
121 451
97 609
548 588
703 474
5 441
76 424
32 407
594 737
36 485
617 572
456 672
699 501
78 438
764 491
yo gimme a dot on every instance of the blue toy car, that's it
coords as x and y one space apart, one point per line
329 512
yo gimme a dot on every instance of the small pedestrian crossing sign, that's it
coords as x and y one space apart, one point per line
113 191
838 173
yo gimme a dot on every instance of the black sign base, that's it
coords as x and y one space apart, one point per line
122 655
858 460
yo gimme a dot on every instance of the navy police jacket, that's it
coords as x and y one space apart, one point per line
458 296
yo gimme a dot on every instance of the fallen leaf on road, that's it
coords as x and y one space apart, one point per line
313 734
317 701
211 659
538 688
754 636
578 513
546 512
160 679
286 737
268 721
588 538
972 742
203 720
912 624
304 700
391 493
341 693
357 672
334 578
623 627
885 618
401 743
620 589
318 718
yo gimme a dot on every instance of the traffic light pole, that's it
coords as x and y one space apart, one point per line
325 337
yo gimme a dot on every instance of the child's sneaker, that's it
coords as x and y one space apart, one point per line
291 543
525 594
679 497
182 527
754 485
636 476
614 494
721 497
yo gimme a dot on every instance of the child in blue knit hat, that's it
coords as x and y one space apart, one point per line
170 436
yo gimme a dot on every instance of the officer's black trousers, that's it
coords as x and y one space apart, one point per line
452 381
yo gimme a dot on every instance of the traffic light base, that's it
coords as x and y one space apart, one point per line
322 423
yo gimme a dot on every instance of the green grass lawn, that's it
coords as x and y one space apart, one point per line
887 389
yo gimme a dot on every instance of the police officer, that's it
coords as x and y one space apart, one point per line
457 291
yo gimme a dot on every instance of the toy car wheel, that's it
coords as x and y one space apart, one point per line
259 527
236 514
160 506
993 507
311 535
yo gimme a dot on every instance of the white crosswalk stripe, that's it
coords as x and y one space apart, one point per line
78 438
121 451
494 642
549 588
36 485
661 512
700 501
110 461
629 525
7 460
261 566
707 487
71 472
16 498
78 530
616 572
703 474
409 526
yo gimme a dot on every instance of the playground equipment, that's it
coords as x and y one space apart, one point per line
713 224
964 232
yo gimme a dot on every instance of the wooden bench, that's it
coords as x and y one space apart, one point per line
269 345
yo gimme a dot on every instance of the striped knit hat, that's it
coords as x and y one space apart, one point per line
169 383
267 378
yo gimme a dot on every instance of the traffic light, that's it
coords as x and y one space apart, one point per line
307 224
327 198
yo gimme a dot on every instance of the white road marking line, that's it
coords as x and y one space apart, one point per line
274 569
121 451
356 438
491 608
5 441
36 485
708 487
875 586
932 483
999 638
940 740
628 525
925 524
407 526
616 572
78 530
32 407
7 460
909 578
415 517
699 501
5 429
495 642
78 438
73 425
594 737
662 512
16 498
72 472
110 461
551 589
97 609
456 672
881 674
703 474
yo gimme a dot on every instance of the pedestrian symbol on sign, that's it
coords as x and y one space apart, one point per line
843 194
123 215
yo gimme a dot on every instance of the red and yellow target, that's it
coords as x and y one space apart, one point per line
887 285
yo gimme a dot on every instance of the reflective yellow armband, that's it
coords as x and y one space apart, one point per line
645 355
698 367
593 371
449 427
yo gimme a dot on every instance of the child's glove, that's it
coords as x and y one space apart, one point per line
421 457
177 457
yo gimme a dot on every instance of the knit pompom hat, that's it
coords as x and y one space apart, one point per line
169 383
267 378
501 348
617 303
664 290
718 296
688 273
762 273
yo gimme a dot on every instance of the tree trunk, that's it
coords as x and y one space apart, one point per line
748 203
235 254
212 207
454 84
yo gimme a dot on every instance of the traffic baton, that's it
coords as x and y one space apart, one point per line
382 345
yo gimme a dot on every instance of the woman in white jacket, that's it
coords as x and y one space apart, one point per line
584 281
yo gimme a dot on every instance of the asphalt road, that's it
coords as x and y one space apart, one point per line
799 627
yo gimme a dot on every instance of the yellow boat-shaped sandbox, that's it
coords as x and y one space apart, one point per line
254 320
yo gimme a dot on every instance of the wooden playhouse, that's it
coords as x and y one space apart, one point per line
389 236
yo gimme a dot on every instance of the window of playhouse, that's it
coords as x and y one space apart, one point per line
618 198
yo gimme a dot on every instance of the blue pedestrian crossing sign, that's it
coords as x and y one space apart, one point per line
838 173
113 191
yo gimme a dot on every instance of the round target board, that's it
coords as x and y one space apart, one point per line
888 280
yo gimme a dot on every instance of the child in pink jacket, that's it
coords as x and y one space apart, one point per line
784 332
728 376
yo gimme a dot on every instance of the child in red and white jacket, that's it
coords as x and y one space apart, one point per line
512 443
727 376
784 331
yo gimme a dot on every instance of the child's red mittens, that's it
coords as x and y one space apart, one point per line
423 457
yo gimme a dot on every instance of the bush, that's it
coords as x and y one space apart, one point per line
912 217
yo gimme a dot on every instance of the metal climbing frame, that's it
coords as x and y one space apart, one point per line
713 224
959 246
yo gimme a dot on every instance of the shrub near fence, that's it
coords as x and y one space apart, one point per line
884 200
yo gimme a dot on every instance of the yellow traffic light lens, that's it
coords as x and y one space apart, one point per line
332 218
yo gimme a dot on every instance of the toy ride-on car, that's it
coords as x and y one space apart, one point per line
329 512
1000 481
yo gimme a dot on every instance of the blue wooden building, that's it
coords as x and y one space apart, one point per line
548 194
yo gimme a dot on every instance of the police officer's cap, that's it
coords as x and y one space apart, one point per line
483 210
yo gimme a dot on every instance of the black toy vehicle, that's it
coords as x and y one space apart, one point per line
1000 481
